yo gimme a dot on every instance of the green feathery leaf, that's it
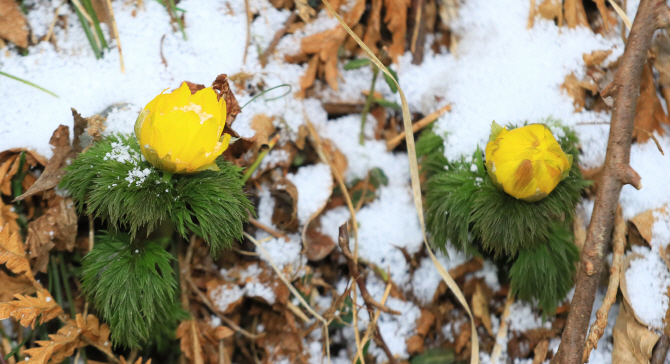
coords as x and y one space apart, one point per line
133 286
551 266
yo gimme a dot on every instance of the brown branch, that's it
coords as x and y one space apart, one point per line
396 140
355 273
619 244
266 228
370 303
280 33
660 350
616 172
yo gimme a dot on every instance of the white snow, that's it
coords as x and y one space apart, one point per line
314 184
648 280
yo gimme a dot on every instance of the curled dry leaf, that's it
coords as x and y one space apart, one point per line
190 340
86 130
415 343
577 90
595 58
305 11
640 228
633 341
13 26
285 214
27 309
575 15
9 166
223 88
262 124
53 172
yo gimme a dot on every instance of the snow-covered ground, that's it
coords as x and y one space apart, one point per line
502 71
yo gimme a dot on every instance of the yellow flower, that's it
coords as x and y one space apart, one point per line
181 133
526 162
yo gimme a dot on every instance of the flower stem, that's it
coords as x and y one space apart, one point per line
167 176
258 160
368 103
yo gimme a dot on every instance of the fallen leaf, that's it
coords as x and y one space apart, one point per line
8 217
223 88
305 12
575 15
373 28
190 340
641 226
87 130
577 90
307 80
13 26
480 308
27 309
396 21
285 214
12 253
521 346
633 342
661 51
649 113
53 172
596 58
222 332
122 360
13 285
317 245
264 128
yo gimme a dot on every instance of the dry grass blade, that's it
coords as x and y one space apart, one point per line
619 244
502 331
373 322
621 13
293 290
115 28
416 186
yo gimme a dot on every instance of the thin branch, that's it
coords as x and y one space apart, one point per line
266 228
619 244
616 172
391 144
263 59
370 303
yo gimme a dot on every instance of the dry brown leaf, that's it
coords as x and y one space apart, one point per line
317 244
661 51
12 253
307 80
222 332
94 126
595 58
190 340
575 14
285 214
643 224
53 172
480 308
305 12
26 309
577 90
373 29
8 217
649 113
264 127
223 88
551 9
633 342
13 26
13 285
396 21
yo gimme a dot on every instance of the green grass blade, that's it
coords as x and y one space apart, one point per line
89 8
28 83
89 34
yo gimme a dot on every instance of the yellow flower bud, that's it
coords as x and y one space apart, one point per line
181 133
526 162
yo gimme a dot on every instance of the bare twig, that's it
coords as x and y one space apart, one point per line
660 350
161 51
263 59
53 22
204 299
266 228
619 244
391 144
247 12
373 323
370 303
355 273
616 173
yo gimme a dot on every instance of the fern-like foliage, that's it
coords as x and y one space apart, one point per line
549 264
465 208
133 287
117 184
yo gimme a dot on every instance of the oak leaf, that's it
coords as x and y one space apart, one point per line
12 253
13 26
27 309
